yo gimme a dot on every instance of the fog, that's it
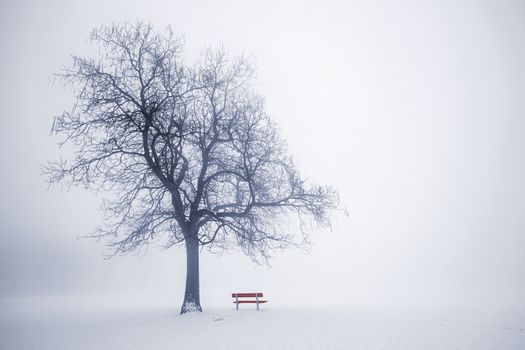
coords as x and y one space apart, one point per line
414 111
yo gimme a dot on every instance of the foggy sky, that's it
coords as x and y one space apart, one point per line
414 111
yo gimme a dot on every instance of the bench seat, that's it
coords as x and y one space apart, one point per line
250 301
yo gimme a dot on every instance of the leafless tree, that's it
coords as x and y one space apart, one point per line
188 153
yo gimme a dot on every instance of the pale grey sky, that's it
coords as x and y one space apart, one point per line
413 110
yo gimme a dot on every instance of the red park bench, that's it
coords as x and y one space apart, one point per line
249 301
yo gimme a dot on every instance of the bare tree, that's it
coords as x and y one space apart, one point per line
188 152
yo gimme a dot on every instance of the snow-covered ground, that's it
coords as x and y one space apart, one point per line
80 323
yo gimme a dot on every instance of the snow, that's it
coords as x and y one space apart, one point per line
103 323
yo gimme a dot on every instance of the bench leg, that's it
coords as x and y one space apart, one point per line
237 302
257 300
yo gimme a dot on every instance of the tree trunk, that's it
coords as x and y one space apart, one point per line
192 301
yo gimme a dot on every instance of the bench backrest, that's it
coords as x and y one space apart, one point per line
247 295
